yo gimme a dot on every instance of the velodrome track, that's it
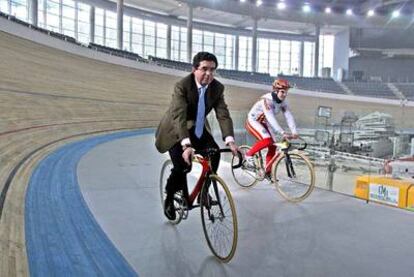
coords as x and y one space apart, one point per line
93 208
50 98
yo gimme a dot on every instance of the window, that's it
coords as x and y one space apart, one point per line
308 59
285 55
68 18
263 55
161 45
245 55
53 15
326 48
99 26
274 57
137 36
149 38
4 6
19 9
295 58
83 22
110 35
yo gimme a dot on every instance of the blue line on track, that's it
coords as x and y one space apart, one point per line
62 236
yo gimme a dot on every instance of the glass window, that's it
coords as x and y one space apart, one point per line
127 33
149 39
197 41
308 59
137 36
208 42
53 16
99 23
4 6
68 18
245 55
110 29
161 47
274 57
83 22
285 55
326 48
19 9
295 58
229 64
263 55
40 15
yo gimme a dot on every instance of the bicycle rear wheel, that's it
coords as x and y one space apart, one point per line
219 219
178 196
244 177
294 179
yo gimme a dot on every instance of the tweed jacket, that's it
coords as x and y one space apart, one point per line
182 112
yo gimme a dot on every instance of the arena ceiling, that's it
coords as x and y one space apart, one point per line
234 13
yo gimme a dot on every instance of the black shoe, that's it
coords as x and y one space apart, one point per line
169 209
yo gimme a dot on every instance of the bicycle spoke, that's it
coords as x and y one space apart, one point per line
294 177
219 221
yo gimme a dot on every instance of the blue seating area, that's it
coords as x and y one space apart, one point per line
246 76
370 89
406 89
315 84
171 64
117 52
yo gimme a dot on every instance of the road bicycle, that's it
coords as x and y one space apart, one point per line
218 213
291 171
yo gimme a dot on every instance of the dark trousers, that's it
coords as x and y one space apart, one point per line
178 177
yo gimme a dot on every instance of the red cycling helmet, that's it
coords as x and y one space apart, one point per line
281 84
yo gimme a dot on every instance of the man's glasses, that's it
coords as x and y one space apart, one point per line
205 69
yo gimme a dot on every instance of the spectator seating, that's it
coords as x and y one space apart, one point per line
315 84
407 89
370 89
246 76
171 64
116 52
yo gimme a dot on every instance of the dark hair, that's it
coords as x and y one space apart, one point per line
204 56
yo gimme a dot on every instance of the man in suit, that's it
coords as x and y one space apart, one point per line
184 126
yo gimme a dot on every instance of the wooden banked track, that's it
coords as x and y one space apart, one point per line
48 98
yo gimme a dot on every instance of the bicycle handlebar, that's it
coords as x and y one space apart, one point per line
289 144
211 151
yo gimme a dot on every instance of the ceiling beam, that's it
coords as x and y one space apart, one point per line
249 9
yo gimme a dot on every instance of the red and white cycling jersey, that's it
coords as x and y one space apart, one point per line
263 115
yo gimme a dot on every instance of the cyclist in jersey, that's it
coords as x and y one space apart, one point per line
262 124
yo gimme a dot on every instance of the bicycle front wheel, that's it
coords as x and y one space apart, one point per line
219 219
294 176
243 176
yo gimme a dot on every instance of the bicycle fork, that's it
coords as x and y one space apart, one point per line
289 167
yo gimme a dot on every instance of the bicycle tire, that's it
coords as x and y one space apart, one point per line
219 219
303 182
243 177
178 198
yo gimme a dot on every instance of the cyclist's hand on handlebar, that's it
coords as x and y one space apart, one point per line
287 136
188 154
234 148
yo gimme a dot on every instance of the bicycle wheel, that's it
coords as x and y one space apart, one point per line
244 177
178 196
219 219
294 180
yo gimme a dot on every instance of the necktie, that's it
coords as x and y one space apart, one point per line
201 109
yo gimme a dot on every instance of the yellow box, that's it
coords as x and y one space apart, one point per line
383 190
410 198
